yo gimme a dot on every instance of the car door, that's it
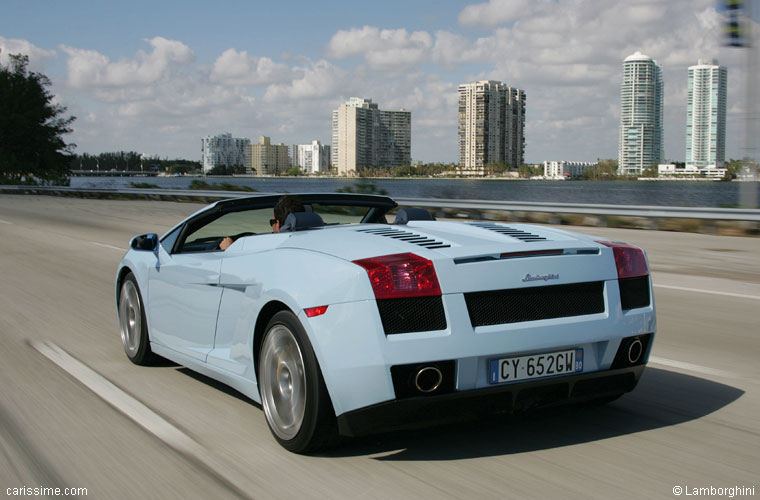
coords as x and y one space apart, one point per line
185 289
184 297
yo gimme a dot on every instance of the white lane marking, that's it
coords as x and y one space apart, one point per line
144 416
108 246
692 367
141 414
5 222
727 294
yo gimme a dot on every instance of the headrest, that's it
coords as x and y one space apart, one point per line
404 215
296 221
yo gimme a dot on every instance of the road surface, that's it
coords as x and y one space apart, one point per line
691 423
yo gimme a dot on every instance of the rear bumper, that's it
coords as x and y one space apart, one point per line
418 412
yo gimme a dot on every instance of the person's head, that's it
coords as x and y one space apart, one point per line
285 206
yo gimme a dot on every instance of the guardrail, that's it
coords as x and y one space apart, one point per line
734 214
648 217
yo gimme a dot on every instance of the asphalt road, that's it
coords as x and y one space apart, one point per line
691 423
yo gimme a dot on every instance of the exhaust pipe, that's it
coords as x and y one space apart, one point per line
635 350
428 379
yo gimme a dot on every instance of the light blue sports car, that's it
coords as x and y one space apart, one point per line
365 316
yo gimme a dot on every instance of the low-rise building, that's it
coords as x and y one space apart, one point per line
560 170
691 170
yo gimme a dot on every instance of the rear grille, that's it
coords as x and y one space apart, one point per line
417 314
498 307
408 236
634 292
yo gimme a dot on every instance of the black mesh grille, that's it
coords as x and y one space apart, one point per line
530 304
634 292
418 314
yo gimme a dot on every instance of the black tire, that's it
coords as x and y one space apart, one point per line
132 323
294 397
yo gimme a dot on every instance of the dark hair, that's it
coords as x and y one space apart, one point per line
286 205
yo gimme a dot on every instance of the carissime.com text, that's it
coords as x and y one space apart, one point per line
44 491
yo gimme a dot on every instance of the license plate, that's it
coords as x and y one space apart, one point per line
549 364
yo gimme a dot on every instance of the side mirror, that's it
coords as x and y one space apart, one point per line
147 242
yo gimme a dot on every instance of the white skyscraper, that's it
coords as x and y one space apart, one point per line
491 123
706 115
641 110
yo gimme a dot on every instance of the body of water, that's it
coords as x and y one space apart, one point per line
668 193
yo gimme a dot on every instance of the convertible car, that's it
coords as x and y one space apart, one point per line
368 317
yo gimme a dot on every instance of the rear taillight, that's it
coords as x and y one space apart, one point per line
401 275
629 260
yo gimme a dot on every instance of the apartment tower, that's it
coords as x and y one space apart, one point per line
706 115
268 158
225 151
491 126
641 115
311 158
365 136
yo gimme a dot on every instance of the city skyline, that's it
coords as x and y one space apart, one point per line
141 77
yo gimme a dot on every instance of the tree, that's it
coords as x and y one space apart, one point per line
527 171
32 148
604 170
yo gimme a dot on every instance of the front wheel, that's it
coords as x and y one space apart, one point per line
134 328
293 393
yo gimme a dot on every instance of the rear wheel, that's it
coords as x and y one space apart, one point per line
134 328
293 393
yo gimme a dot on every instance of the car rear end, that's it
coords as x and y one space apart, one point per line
486 317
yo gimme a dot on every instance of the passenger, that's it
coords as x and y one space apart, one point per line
285 206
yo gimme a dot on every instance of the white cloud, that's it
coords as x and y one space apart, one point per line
37 57
89 68
318 80
387 49
238 68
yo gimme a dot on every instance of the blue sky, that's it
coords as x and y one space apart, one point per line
155 77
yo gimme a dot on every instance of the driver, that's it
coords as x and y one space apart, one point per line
285 206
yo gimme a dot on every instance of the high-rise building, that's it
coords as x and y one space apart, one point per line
365 136
706 115
491 126
268 158
641 108
311 158
225 150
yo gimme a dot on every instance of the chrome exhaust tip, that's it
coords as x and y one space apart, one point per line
428 379
635 351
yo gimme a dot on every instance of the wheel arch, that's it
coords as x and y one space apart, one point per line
123 272
267 313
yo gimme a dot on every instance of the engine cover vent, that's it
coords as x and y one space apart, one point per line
508 231
407 236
